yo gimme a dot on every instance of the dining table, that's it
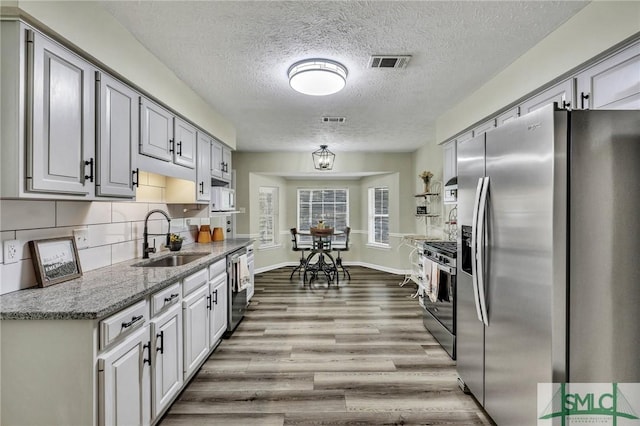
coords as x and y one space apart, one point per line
320 261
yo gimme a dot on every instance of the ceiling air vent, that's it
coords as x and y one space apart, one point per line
389 61
333 119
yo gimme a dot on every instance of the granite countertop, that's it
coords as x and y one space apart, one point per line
102 292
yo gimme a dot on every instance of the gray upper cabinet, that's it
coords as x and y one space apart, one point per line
613 83
60 117
220 161
450 165
484 127
117 137
507 116
156 130
562 93
184 152
203 169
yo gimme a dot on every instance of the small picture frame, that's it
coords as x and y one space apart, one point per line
55 260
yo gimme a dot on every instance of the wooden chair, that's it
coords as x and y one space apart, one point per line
341 248
295 246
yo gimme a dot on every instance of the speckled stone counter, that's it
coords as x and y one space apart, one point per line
104 291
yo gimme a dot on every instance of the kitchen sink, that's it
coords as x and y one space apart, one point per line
172 260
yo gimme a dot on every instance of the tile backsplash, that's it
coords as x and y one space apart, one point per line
114 228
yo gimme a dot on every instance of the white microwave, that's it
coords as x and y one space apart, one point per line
222 199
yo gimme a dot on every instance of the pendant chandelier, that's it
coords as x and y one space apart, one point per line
323 158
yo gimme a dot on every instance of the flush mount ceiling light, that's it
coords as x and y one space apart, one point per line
317 77
323 158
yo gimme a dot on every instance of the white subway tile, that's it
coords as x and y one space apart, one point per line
111 233
157 180
20 214
16 276
69 213
149 194
121 252
128 212
94 258
144 178
24 237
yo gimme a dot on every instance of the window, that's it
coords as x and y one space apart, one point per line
379 216
330 205
268 200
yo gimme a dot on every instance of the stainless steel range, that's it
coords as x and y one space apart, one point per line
438 296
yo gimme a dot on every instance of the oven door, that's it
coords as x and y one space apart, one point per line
443 309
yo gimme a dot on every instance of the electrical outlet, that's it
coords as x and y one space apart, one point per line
81 236
10 251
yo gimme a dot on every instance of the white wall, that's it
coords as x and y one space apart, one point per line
92 29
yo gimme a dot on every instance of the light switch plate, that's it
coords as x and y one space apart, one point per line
81 236
10 251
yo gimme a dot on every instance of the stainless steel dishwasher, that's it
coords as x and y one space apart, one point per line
237 298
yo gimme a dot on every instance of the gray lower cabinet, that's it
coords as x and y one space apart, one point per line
124 382
167 354
60 119
195 309
117 137
613 83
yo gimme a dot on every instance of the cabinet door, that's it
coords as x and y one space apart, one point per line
563 94
216 160
60 143
450 161
508 116
185 144
613 83
484 127
203 169
196 329
156 131
118 121
124 382
218 313
167 374
226 164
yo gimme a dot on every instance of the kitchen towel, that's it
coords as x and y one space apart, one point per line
434 279
244 277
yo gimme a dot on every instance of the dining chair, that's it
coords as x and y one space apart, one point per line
340 247
297 247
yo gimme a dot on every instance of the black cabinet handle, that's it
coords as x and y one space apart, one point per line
180 148
147 360
90 164
202 187
170 298
135 178
209 302
171 145
160 336
215 299
583 96
133 321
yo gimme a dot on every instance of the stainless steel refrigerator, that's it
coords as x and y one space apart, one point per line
549 257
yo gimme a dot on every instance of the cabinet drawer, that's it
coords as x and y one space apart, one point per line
215 269
194 281
165 298
123 323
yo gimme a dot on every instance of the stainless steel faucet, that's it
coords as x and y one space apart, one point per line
145 245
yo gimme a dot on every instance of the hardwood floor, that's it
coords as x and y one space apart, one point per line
353 355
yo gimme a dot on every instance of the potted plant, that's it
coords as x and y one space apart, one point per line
175 242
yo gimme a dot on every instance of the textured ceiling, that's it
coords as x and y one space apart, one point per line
235 54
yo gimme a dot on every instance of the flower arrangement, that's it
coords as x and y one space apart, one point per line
426 179
175 242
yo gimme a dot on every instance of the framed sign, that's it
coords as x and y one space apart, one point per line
55 260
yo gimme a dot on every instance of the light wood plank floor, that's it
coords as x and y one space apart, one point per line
353 355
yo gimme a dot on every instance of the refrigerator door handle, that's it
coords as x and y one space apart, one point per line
480 252
474 246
